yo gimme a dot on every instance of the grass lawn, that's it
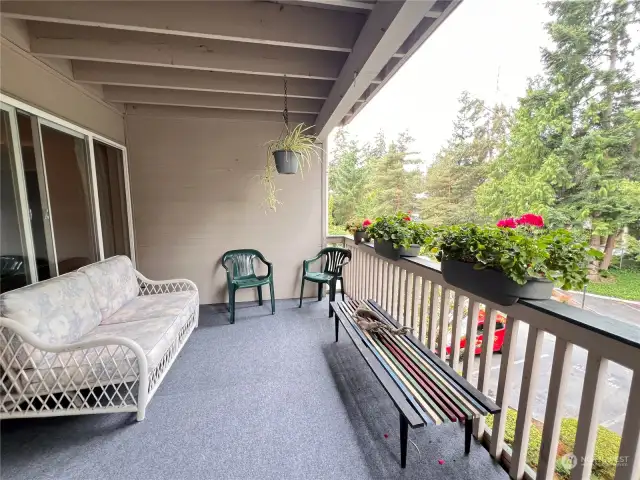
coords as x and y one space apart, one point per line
625 284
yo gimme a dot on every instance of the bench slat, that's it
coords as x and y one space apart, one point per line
386 379
446 370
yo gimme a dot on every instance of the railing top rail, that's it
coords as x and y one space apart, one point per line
608 327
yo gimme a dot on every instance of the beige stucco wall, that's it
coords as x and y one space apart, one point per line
196 194
26 78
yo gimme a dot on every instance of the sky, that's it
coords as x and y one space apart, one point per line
488 47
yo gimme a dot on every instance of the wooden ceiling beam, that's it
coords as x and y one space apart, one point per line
184 98
105 45
252 22
191 112
175 78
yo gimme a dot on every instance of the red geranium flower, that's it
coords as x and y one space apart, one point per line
507 223
531 219
366 223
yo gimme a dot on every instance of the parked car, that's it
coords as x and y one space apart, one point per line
498 338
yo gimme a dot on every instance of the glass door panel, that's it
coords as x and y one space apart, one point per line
36 196
68 176
15 260
114 218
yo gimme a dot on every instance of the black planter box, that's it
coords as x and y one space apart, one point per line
360 237
493 284
385 249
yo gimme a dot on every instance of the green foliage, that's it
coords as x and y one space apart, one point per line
572 154
619 283
535 436
605 457
295 140
373 180
462 165
399 229
521 253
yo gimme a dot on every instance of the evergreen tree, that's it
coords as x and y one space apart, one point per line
461 166
572 153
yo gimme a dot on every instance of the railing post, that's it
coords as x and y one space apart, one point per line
553 413
484 375
470 344
629 469
525 405
504 386
592 392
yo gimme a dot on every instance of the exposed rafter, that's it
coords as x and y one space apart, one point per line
101 44
253 22
191 112
184 98
387 28
160 77
420 34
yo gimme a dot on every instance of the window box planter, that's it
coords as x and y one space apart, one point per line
386 249
361 236
493 284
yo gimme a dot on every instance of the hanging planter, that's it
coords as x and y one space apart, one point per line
292 151
286 162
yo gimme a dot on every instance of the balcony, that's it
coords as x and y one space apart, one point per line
138 129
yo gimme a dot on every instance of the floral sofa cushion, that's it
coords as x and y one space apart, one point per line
151 306
114 283
57 311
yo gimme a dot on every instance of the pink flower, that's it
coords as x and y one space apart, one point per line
366 223
386 435
531 219
507 223
441 462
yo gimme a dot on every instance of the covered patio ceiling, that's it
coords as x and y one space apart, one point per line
228 59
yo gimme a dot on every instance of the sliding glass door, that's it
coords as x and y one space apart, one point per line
16 269
65 199
68 177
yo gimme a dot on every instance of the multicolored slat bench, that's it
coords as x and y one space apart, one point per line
425 389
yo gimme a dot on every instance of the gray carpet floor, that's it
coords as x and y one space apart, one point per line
270 397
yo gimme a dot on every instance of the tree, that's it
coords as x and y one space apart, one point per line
346 178
461 166
394 181
574 142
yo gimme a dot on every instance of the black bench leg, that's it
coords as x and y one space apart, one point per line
337 327
468 430
404 438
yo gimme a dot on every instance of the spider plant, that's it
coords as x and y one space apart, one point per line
295 140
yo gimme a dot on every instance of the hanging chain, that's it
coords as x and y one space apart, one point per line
285 112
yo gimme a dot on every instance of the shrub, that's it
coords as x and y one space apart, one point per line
605 457
535 436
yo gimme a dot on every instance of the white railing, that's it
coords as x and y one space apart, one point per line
415 293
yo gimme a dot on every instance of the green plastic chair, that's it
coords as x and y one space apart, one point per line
335 260
239 265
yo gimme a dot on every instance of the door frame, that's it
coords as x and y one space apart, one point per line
58 123
20 184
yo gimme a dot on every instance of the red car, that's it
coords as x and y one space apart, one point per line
498 338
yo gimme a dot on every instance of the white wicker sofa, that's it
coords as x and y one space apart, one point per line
99 340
